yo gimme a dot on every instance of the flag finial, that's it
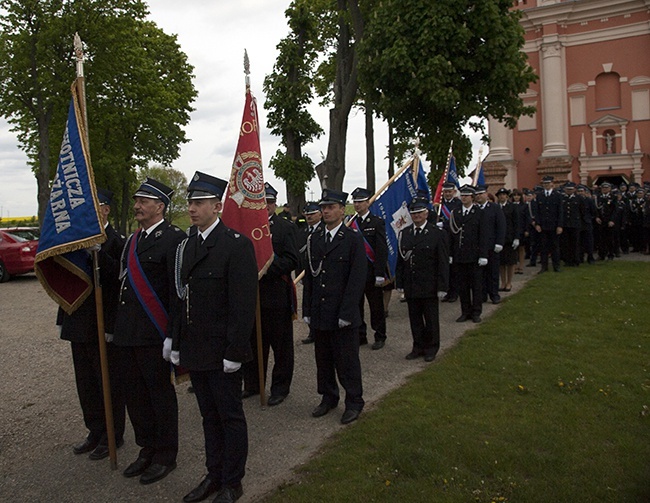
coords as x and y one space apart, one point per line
79 54
247 68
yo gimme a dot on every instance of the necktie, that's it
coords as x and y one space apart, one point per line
142 236
417 231
548 193
201 239
328 238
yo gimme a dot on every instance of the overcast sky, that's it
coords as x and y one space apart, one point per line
214 35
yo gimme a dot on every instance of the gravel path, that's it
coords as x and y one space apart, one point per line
41 417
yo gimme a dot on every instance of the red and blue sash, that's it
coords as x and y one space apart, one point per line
144 291
445 211
370 253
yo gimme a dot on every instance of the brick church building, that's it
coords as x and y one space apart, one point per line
592 99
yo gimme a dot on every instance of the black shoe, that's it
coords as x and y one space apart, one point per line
496 300
101 451
137 467
403 299
450 299
556 269
363 341
85 446
378 344
476 318
202 491
156 472
190 389
275 400
228 494
429 357
462 318
322 409
247 393
350 415
413 355
308 340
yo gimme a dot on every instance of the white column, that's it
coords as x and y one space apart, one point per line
594 139
623 139
553 98
500 141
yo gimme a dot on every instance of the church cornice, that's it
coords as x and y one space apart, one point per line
579 11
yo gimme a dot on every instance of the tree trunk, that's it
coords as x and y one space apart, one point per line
370 149
296 201
391 150
43 172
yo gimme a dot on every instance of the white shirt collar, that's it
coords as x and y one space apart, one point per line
149 230
207 232
333 231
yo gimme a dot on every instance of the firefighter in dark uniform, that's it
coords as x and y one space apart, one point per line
216 287
574 210
448 204
333 287
373 229
607 207
469 251
548 223
80 328
141 333
423 273
277 302
587 226
494 227
313 218
636 204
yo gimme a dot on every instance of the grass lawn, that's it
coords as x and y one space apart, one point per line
547 401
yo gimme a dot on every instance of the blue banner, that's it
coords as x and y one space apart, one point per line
392 206
72 220
452 175
479 177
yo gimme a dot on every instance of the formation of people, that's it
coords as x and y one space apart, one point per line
186 300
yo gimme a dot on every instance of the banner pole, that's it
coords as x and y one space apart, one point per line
444 175
99 309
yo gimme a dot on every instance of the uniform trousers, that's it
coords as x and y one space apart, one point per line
224 424
570 243
375 296
549 245
88 375
608 241
587 243
337 354
150 401
470 289
491 276
425 325
277 334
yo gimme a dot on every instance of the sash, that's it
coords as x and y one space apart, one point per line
445 211
144 291
370 253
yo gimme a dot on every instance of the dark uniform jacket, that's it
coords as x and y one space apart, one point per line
607 206
513 222
469 241
423 262
373 229
81 326
335 279
574 211
590 212
275 285
301 238
548 210
494 224
156 253
218 283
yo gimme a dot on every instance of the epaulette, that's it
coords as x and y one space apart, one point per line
233 234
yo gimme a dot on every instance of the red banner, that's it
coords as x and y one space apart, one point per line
244 208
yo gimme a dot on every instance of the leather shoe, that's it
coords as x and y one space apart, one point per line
137 467
429 357
202 491
308 340
101 451
378 344
413 355
450 299
350 415
247 393
155 472
85 446
363 341
462 318
496 300
228 494
476 319
275 400
322 409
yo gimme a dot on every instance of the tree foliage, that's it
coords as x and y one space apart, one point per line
434 67
138 85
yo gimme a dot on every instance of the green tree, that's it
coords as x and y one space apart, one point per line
138 86
288 90
433 67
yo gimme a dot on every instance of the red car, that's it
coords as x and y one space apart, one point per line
17 251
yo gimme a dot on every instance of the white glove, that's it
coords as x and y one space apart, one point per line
167 348
230 367
498 248
306 319
451 260
343 323
108 337
515 244
442 295
93 248
440 225
379 280
482 262
59 329
176 357
400 290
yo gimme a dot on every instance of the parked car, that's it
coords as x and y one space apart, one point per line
17 251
